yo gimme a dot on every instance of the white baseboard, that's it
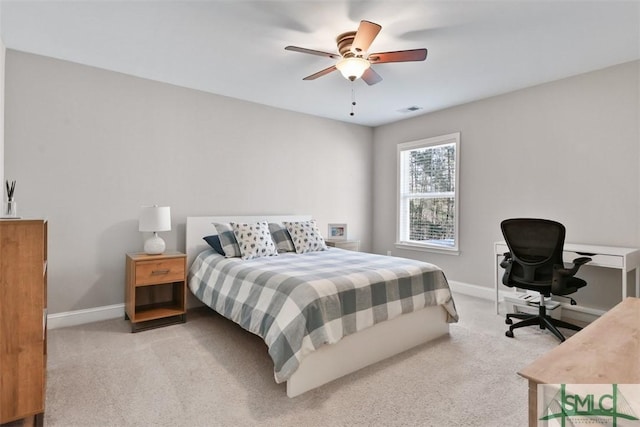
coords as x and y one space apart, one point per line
89 315
580 313
473 290
569 312
115 311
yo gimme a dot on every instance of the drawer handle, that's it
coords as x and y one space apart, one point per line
159 272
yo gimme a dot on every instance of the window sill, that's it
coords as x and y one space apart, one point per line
426 248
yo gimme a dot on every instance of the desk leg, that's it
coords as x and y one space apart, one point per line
624 284
533 403
637 295
496 283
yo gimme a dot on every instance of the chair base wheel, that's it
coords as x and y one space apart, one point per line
509 334
508 321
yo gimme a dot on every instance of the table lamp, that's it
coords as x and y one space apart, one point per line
155 219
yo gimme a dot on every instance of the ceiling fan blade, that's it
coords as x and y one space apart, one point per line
371 77
321 73
312 52
398 56
367 31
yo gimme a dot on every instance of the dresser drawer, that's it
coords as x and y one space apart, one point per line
159 271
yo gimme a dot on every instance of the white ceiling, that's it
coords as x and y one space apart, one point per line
236 48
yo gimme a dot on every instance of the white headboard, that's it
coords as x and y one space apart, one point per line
201 226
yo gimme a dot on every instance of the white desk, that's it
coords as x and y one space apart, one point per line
624 259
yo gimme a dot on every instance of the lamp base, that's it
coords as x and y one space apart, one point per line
154 245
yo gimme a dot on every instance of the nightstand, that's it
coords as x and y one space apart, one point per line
156 290
350 245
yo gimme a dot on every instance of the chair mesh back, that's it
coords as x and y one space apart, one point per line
535 245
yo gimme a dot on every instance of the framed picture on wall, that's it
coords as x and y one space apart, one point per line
337 231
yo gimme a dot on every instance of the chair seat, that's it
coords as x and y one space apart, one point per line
571 285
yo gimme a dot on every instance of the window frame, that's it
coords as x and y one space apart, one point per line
452 138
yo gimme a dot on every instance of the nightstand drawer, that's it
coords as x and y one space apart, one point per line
159 271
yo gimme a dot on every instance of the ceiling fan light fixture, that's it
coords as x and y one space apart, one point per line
352 68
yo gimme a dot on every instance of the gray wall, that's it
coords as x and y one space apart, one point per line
2 59
567 150
88 147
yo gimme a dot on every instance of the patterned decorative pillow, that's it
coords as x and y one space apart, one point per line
281 238
228 240
306 236
254 239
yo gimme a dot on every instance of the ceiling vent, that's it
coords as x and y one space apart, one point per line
411 109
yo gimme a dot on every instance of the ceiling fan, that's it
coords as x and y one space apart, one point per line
354 61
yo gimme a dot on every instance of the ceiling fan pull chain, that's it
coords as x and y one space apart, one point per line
353 98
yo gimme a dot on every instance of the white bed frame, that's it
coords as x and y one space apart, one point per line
353 352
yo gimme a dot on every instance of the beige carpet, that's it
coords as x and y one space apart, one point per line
210 372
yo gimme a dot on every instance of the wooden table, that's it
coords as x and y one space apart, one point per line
605 352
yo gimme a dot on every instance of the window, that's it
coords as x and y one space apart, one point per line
428 194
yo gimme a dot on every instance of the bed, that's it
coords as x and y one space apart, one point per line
361 337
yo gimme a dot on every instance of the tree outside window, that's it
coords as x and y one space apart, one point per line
428 194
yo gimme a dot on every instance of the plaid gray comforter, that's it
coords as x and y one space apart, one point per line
299 302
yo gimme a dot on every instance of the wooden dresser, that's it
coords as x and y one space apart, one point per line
23 319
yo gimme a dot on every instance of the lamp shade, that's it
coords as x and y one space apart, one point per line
352 68
155 218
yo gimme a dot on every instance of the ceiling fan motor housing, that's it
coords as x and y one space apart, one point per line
352 64
344 41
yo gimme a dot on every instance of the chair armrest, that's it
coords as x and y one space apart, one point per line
506 261
577 263
581 260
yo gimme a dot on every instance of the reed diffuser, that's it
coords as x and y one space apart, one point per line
11 209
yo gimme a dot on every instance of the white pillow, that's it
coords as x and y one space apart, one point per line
306 236
254 239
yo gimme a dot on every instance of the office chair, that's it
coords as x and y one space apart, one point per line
534 262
